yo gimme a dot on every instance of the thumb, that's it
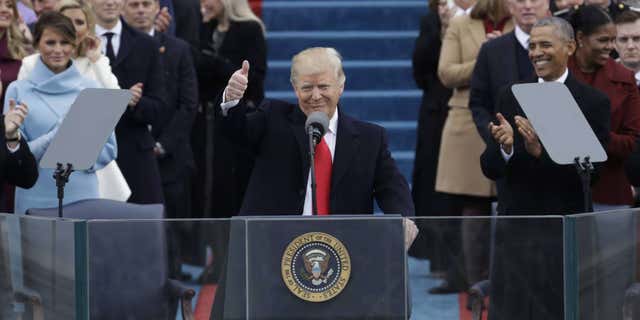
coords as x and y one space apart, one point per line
12 104
501 118
245 68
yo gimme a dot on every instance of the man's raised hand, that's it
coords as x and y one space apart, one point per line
502 133
237 83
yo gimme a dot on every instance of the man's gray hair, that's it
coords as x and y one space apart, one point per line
561 27
317 60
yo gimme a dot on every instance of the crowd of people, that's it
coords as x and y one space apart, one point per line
466 58
196 68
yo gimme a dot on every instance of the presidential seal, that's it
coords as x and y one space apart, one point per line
316 267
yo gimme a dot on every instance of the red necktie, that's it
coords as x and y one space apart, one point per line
322 160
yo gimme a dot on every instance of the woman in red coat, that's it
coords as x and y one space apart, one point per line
592 64
608 233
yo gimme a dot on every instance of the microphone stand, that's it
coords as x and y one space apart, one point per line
61 175
585 169
312 167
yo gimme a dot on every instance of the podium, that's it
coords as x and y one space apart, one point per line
314 268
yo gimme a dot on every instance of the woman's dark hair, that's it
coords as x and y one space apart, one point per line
433 5
587 19
59 23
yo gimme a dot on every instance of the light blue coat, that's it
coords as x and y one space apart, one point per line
49 97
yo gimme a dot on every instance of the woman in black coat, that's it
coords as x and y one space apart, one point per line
433 113
230 34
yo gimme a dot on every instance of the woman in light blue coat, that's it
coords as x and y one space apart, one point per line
49 92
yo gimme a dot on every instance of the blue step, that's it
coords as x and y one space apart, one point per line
361 75
404 161
342 15
352 45
380 105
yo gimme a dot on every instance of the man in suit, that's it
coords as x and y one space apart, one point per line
359 167
352 161
628 41
503 61
172 131
135 60
526 275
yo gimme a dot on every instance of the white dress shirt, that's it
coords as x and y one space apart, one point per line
522 37
115 39
462 12
562 79
330 140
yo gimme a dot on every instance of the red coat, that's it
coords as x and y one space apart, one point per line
8 65
619 84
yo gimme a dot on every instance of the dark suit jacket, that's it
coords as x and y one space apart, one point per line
19 168
362 168
496 66
173 129
138 60
539 186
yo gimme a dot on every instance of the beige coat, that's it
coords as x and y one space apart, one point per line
459 169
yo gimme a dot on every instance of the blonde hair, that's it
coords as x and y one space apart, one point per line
87 10
317 60
239 10
19 45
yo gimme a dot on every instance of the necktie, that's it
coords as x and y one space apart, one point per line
323 165
110 52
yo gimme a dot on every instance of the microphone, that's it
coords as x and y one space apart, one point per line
316 125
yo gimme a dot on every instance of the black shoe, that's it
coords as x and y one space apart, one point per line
445 288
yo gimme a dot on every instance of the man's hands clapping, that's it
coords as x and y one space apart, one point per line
531 141
503 134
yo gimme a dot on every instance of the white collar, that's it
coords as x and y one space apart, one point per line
152 32
333 123
117 29
463 12
522 37
562 78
